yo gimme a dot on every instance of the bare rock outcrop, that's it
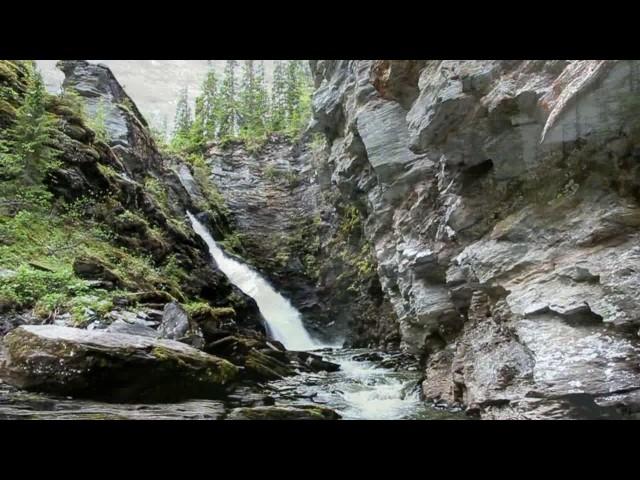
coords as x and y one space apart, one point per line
502 202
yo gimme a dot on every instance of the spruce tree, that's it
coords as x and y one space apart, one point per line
278 115
30 138
207 105
262 100
253 102
246 100
26 155
183 120
228 112
298 91
292 89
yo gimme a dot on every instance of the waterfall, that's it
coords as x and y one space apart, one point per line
283 320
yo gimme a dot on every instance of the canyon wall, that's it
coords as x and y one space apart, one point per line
500 199
291 225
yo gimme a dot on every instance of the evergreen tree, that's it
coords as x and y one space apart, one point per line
297 96
30 137
292 89
26 155
208 107
228 109
278 115
253 102
246 100
183 120
262 100
197 132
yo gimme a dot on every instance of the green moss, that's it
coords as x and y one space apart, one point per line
219 372
15 74
202 175
350 220
288 176
74 104
8 72
162 353
233 243
300 242
28 285
270 172
157 191
108 171
202 311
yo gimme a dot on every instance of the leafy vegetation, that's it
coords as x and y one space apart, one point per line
97 122
42 237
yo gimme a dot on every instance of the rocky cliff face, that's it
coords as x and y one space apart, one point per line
501 202
290 224
143 166
136 192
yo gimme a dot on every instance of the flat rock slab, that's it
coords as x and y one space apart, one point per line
280 412
20 405
110 366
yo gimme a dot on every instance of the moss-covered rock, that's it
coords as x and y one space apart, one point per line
110 366
250 353
92 268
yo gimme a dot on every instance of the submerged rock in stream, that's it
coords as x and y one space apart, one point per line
110 366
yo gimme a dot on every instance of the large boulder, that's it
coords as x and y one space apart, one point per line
110 366
259 361
176 325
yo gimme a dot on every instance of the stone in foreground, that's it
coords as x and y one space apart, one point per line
297 412
110 366
21 405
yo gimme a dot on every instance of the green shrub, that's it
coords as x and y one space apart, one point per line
97 122
29 285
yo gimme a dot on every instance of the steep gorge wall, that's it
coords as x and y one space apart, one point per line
501 202
291 225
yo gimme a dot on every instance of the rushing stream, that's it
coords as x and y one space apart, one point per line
359 390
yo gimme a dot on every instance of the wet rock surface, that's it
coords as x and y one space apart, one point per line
359 390
500 198
299 412
19 405
482 216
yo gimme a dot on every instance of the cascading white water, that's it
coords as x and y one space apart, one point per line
359 390
284 322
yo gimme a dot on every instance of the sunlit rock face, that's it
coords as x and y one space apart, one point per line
502 203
